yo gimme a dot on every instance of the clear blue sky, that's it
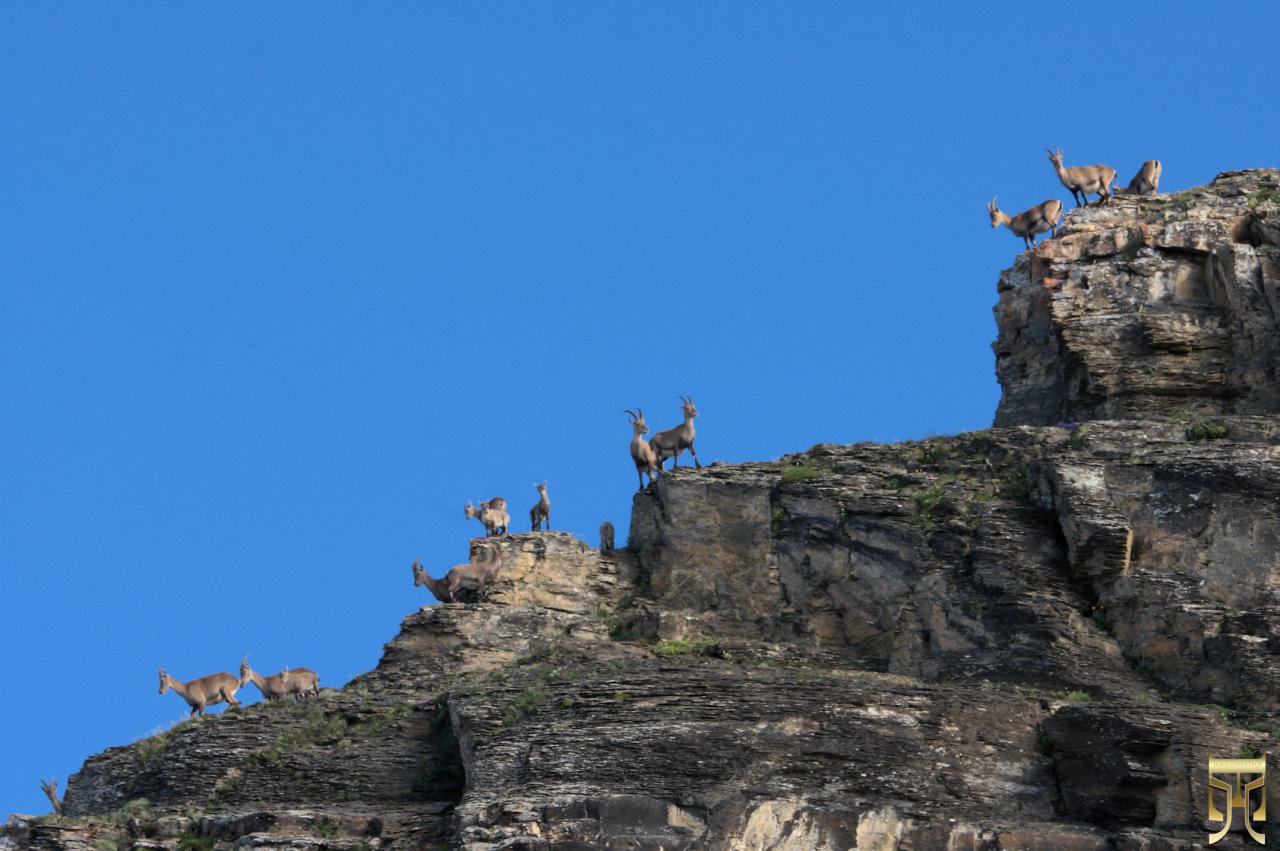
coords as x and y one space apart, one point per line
284 285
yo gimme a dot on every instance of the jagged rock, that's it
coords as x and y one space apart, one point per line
1147 307
991 641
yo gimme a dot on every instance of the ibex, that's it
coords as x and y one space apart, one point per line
1083 179
303 682
476 577
541 511
673 441
272 688
606 537
50 788
205 691
1146 181
641 452
492 515
1040 218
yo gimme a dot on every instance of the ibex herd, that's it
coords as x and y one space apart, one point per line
1081 180
462 580
218 688
473 580
649 455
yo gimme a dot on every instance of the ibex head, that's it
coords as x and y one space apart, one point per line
542 488
419 575
688 406
1056 159
284 676
638 425
994 211
470 510
244 670
50 787
166 682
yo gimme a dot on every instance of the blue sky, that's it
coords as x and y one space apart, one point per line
285 285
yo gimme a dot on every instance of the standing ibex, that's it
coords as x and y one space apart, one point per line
541 511
1083 179
673 441
204 691
606 537
272 688
641 452
476 577
1146 181
50 788
492 515
303 682
1040 218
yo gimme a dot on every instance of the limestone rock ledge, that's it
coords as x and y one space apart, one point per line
1146 307
1006 639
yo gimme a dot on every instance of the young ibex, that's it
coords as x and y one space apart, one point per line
492 515
1040 218
272 688
1083 179
673 441
606 537
474 577
50 788
641 452
303 682
204 691
541 511
1146 181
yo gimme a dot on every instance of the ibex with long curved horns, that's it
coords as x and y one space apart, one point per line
673 441
203 691
492 515
50 788
474 577
606 537
1040 218
641 452
1083 179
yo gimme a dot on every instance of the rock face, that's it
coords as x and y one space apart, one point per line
1030 637
1148 307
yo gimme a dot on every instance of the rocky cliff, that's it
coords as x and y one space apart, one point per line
1147 307
1030 637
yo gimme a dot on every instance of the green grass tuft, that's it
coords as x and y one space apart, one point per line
1263 196
1044 744
523 705
798 473
195 843
1206 431
683 646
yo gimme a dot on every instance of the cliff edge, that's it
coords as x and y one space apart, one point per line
1029 637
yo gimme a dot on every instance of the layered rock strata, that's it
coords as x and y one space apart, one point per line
1030 637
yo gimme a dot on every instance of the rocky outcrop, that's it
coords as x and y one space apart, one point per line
1148 307
1030 637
